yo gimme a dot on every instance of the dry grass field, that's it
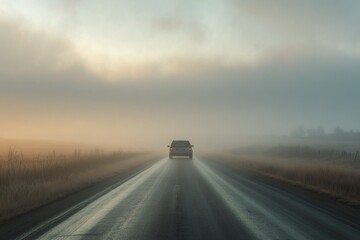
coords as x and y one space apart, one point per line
27 182
32 148
336 179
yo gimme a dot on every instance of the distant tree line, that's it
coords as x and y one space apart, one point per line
319 133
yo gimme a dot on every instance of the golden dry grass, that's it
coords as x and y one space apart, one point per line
29 182
338 181
31 148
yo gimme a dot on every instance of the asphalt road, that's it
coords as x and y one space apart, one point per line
197 199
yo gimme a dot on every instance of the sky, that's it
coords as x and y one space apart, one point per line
140 73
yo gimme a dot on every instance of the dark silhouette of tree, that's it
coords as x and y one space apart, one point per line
338 133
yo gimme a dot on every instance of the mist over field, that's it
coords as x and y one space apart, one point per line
115 74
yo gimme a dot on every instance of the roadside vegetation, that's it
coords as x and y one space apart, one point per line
27 182
333 173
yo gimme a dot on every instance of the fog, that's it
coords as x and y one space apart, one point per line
309 77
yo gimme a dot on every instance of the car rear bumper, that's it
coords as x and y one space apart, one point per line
181 151
181 154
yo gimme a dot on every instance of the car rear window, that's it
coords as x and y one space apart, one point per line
180 144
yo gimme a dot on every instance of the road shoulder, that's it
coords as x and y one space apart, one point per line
14 227
326 203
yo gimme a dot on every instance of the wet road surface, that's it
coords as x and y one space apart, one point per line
196 199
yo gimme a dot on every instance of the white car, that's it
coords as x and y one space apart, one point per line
181 148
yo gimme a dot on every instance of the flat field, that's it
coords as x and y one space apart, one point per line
29 181
329 172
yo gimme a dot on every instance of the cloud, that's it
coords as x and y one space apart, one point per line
317 88
322 21
189 27
33 53
29 53
47 90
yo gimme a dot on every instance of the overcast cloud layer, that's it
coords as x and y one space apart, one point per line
213 73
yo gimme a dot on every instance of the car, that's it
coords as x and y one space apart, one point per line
180 148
